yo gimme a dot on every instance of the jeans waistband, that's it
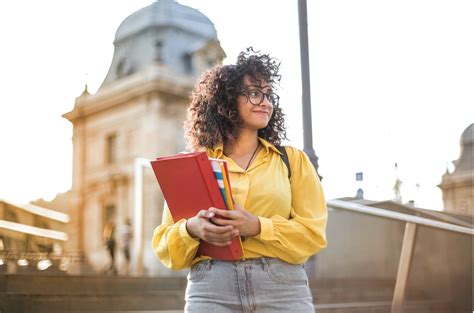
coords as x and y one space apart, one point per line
263 261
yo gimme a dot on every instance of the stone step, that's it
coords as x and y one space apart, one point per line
167 304
93 285
86 303
36 293
325 290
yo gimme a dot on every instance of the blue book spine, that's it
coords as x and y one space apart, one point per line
220 179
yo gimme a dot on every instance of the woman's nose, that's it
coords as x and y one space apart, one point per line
266 101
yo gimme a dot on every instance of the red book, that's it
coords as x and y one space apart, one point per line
189 185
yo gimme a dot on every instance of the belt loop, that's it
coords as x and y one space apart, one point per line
209 264
264 263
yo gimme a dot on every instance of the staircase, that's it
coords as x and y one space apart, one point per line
38 294
54 294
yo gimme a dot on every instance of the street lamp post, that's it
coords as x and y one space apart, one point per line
306 99
307 127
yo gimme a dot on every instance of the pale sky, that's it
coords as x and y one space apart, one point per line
391 81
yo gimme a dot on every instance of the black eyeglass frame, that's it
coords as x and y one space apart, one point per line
271 96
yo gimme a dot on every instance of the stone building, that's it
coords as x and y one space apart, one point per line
138 112
457 187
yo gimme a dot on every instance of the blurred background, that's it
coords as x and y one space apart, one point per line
92 90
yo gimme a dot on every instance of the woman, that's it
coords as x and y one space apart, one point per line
234 115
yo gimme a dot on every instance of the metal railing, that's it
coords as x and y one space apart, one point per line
33 230
411 223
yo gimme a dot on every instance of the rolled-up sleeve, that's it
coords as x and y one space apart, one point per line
295 239
172 243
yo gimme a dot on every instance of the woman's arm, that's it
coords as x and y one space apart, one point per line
304 233
174 245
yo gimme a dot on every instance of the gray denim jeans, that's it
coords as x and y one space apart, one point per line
248 286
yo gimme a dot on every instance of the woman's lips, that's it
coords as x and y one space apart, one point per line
262 112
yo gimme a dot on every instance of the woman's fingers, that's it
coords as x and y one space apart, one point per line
223 213
205 214
219 234
223 222
224 244
209 227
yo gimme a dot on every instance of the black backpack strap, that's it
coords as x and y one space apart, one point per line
284 156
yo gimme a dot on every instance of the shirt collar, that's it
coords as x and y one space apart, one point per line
268 146
218 151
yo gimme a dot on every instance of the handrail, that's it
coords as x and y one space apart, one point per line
32 230
398 216
38 210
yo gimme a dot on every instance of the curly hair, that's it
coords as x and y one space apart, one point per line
213 116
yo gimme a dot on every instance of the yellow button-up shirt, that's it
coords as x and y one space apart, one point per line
292 213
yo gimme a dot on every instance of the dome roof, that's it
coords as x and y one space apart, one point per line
467 136
167 13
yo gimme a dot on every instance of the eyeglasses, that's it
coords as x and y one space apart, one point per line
256 96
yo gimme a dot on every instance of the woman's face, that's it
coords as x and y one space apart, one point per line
254 105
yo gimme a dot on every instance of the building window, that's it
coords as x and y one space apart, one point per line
188 63
111 149
158 51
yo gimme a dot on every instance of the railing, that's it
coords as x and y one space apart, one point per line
411 223
32 230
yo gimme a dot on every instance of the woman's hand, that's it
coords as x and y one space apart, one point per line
200 226
241 219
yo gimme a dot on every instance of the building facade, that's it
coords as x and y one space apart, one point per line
458 187
138 112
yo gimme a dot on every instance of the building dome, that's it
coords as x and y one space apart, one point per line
167 34
457 186
465 161
166 13
467 136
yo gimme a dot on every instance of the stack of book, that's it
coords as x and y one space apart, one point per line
192 182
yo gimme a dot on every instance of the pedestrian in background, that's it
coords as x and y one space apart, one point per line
109 242
126 239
